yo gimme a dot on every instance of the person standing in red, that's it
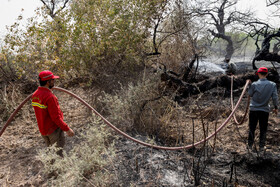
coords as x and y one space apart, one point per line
48 114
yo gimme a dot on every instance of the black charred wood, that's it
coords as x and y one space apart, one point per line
184 89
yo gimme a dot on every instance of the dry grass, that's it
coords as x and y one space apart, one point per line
124 107
85 163
10 98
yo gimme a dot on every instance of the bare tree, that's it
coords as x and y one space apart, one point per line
221 15
268 36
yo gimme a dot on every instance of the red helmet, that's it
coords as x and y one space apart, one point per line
47 75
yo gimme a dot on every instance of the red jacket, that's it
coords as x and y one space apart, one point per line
47 111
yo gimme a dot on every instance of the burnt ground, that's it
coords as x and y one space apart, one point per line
143 166
136 165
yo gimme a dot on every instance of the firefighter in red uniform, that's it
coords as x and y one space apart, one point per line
48 114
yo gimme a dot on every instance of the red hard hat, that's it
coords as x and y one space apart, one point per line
47 75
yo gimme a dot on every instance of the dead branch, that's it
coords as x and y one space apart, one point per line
264 53
51 4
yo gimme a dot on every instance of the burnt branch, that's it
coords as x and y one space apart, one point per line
189 68
264 53
185 89
154 38
276 47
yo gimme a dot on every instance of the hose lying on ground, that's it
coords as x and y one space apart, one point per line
232 105
123 133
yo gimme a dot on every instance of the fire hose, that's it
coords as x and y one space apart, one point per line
232 105
123 133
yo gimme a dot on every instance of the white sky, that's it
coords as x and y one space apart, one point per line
11 9
260 9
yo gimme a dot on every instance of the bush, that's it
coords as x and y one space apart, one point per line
10 98
142 108
124 107
85 162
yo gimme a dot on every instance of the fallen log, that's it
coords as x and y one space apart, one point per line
184 89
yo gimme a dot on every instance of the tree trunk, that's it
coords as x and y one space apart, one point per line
189 68
229 48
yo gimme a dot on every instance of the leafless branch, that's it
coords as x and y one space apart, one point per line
51 6
263 53
272 2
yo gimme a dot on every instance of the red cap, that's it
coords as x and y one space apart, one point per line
262 70
47 75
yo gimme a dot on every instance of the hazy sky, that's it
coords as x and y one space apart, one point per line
11 9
